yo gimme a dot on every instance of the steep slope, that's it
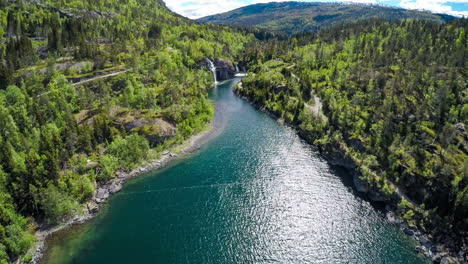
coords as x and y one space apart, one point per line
90 88
296 17
395 101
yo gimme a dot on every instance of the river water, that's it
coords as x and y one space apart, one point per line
255 193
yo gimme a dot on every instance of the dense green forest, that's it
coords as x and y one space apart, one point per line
58 138
298 17
392 97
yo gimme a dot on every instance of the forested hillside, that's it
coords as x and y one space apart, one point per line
389 98
91 88
298 17
62 128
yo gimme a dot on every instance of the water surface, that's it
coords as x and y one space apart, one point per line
255 193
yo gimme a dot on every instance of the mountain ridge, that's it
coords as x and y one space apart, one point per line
296 17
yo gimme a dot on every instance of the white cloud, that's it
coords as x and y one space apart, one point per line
201 8
352 1
436 6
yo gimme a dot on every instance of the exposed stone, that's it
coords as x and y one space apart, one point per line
156 130
448 260
93 207
102 194
392 218
408 231
225 69
460 127
92 14
115 187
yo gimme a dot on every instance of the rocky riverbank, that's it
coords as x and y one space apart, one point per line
104 191
438 249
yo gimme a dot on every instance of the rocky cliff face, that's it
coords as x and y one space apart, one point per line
225 69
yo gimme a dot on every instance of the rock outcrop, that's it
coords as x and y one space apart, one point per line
155 130
225 69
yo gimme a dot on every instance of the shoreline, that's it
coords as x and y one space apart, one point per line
104 191
427 245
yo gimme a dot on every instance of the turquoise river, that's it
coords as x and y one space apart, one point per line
253 193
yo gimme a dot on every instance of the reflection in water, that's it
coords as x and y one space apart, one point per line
254 194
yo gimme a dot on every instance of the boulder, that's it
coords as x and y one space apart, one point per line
460 127
93 207
116 186
393 218
102 195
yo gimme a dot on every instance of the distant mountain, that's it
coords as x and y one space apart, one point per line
295 17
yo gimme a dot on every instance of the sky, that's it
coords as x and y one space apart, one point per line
201 8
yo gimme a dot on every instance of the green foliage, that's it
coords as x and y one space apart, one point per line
394 98
408 215
109 165
3 255
56 138
14 240
129 150
398 90
81 187
56 204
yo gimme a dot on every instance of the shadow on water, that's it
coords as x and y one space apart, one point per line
347 179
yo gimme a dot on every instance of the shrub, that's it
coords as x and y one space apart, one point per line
56 205
129 150
108 166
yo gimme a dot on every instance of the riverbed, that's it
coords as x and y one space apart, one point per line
253 193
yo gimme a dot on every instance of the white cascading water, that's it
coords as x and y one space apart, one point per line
239 73
213 69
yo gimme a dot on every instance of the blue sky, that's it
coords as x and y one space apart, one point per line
200 8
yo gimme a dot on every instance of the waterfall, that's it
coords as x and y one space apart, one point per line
213 69
239 73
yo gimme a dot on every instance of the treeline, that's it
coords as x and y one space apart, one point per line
57 139
395 102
